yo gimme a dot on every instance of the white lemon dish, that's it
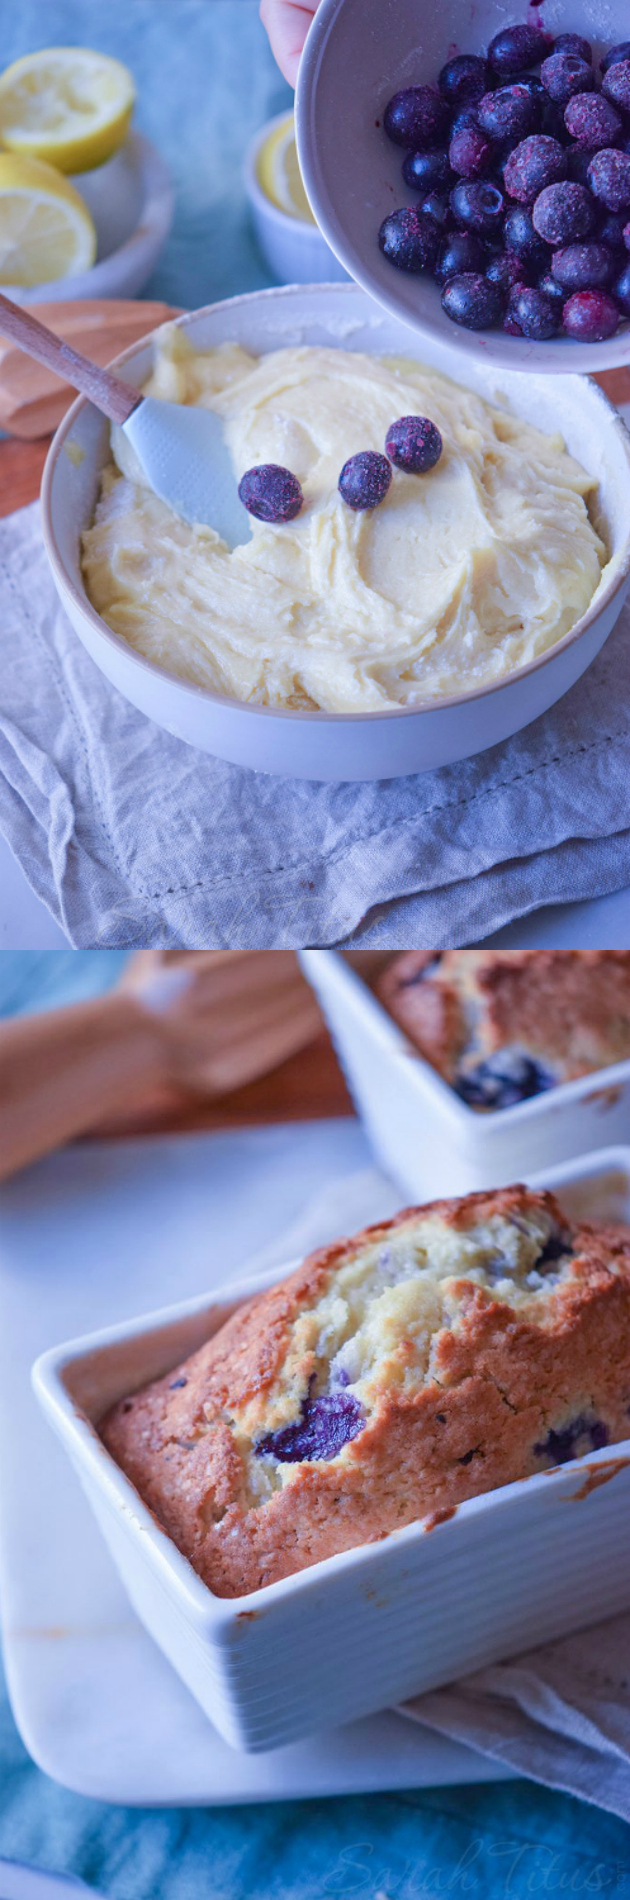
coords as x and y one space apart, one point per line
357 55
286 232
347 744
46 230
127 203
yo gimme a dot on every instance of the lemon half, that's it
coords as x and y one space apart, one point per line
279 173
45 228
66 105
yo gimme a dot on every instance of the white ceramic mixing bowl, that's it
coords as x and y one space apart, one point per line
324 745
357 54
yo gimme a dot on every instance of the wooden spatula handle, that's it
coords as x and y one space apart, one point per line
115 398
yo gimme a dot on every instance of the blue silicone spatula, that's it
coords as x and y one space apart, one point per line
181 450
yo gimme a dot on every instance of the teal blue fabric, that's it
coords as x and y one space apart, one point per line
501 1842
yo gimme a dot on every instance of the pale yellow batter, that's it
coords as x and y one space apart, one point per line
459 576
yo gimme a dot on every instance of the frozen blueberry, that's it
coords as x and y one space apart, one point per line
611 229
609 179
271 493
563 74
616 85
437 208
176 1384
533 312
409 239
505 271
626 235
592 120
621 290
520 237
461 251
552 122
578 160
583 1434
503 1080
514 49
478 206
464 118
427 171
535 86
553 291
590 316
583 267
365 479
509 113
564 213
325 1425
615 54
414 443
416 117
463 79
573 43
471 301
535 163
469 152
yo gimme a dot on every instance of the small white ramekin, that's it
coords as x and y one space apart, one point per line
334 746
426 1138
295 251
374 1625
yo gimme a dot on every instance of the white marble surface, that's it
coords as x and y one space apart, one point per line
89 1236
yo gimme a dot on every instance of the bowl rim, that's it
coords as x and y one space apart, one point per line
67 585
339 239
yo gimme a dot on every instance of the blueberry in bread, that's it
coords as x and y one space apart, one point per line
441 1354
503 1025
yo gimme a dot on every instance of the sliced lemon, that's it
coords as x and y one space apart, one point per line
66 105
279 173
45 228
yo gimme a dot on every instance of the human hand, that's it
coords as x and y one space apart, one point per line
223 1017
287 23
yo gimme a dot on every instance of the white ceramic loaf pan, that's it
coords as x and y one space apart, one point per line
425 1137
334 746
378 1624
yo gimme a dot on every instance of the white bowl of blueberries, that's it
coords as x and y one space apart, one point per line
475 176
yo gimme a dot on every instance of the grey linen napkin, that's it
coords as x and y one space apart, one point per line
559 1714
132 838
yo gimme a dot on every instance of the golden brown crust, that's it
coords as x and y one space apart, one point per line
501 1378
570 1008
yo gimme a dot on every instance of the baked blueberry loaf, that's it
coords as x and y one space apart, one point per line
502 1025
446 1352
